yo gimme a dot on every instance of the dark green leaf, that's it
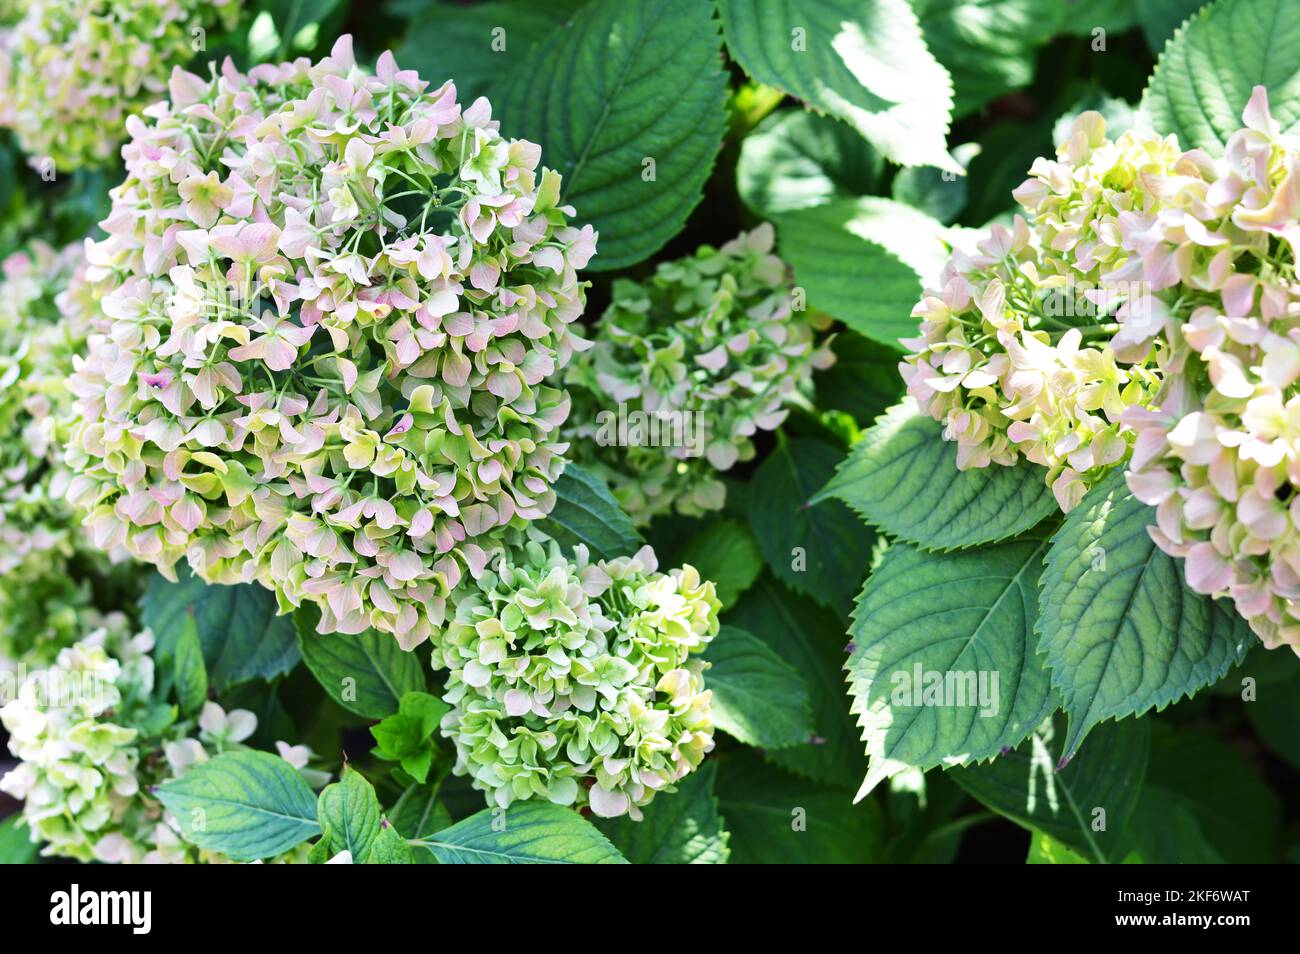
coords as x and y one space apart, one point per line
1119 627
757 697
1087 804
367 674
820 551
586 512
627 102
241 635
811 640
776 818
681 827
944 668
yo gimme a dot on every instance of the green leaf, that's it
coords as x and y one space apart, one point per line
397 735
16 845
191 674
390 848
757 697
286 28
367 674
477 45
830 247
527 833
1275 710
944 668
811 640
418 813
322 851
246 805
726 553
795 159
349 810
863 381
1236 811
902 477
935 192
1161 18
1046 850
586 512
989 46
819 551
621 84
864 61
679 828
777 818
427 710
1121 630
1207 72
1161 831
242 637
406 736
1026 787
1113 16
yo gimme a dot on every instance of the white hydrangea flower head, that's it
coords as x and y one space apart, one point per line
709 351
1039 338
71 71
332 302
577 681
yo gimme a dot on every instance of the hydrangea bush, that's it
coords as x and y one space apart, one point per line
587 440
72 72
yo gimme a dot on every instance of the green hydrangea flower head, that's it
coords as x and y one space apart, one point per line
686 368
576 681
71 71
77 777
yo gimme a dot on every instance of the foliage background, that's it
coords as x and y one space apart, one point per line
1210 779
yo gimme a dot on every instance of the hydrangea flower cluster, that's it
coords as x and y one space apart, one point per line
44 604
87 768
578 681
71 71
333 300
1220 457
1039 339
686 368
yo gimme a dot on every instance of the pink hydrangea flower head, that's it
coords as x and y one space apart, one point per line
332 302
